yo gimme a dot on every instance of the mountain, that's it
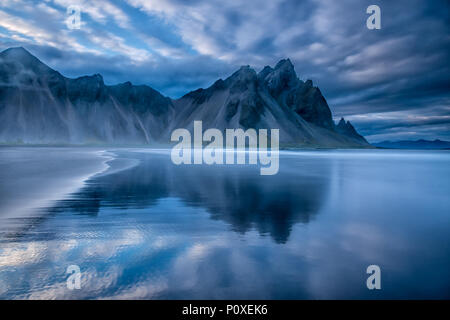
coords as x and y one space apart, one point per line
418 144
347 129
273 98
39 105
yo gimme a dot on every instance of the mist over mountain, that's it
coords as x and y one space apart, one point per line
39 105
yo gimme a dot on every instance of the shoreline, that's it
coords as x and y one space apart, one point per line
32 179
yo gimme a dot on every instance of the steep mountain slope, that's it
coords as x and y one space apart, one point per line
274 98
39 105
347 129
302 97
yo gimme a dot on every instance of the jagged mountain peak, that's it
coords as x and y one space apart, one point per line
17 53
20 55
98 77
284 64
242 80
243 74
281 77
95 79
309 83
344 123
341 122
247 98
38 106
347 129
126 84
19 67
264 72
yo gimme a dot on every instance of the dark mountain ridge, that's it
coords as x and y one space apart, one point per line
39 105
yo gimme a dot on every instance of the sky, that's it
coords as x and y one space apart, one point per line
392 83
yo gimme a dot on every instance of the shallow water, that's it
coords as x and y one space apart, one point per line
161 231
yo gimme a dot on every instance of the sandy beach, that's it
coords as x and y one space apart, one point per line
32 177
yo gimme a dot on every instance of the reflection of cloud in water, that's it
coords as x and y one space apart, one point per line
161 231
26 254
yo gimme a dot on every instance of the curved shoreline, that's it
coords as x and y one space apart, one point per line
33 178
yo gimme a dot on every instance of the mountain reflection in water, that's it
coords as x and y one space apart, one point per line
236 194
161 231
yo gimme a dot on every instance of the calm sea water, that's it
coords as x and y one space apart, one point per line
159 231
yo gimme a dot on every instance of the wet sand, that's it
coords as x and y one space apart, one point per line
32 178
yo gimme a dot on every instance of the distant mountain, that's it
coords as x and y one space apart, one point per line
39 105
418 144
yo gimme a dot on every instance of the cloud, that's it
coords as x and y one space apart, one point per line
176 46
22 27
99 10
431 123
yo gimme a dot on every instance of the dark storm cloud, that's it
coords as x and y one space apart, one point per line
391 82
